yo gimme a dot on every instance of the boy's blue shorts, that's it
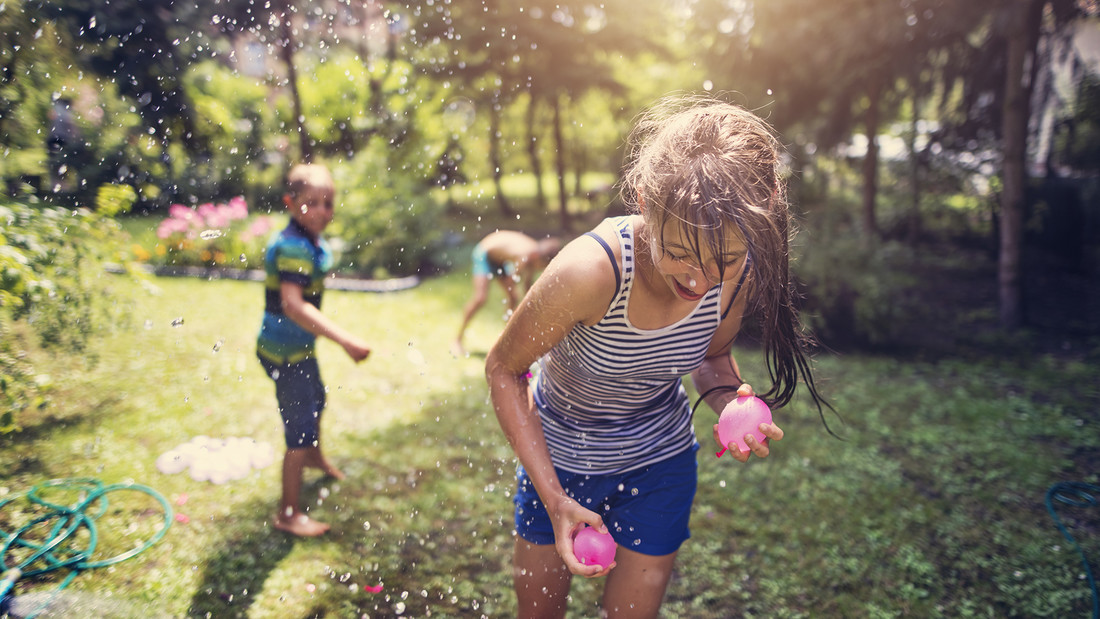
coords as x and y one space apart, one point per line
646 510
301 397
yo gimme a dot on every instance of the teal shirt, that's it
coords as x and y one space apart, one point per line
291 256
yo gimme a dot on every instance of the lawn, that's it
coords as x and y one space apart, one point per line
932 504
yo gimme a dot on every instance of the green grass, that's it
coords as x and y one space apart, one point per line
932 505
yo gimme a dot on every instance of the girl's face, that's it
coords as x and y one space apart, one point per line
312 208
690 275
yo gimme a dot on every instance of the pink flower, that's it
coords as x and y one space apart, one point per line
179 211
238 208
171 226
206 211
258 228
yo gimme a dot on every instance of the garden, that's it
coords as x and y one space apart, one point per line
954 299
930 503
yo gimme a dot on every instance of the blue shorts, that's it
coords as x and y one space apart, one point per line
483 267
301 397
646 510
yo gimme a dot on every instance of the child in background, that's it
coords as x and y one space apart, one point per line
604 434
510 257
296 262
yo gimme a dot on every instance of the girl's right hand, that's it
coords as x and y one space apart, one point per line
772 431
569 518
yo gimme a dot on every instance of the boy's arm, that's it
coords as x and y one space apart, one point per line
310 318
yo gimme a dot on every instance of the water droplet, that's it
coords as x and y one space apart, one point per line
177 322
207 235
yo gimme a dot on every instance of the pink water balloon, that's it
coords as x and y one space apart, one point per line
741 417
594 548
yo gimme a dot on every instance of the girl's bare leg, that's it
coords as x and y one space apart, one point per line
636 587
541 581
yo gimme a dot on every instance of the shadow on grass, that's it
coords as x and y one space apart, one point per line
234 574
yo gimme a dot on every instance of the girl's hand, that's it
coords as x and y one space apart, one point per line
757 448
569 518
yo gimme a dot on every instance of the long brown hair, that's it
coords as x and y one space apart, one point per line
715 168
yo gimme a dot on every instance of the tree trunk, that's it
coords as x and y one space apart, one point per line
870 163
563 197
1022 36
533 151
914 225
494 158
286 45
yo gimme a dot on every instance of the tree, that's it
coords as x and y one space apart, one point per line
143 47
276 24
548 51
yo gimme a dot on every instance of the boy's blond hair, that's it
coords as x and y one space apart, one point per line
305 175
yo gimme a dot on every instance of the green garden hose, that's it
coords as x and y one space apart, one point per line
1076 494
43 554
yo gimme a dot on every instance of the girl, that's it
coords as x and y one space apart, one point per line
604 435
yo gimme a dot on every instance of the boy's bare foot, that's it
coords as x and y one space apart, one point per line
331 470
299 524
317 460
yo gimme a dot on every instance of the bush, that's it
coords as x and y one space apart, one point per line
859 292
388 223
53 287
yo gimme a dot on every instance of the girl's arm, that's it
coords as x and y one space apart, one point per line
719 378
578 286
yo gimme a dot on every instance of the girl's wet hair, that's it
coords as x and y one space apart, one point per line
715 168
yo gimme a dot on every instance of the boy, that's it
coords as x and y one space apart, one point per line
509 257
296 262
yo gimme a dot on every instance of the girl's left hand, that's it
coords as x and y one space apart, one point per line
760 449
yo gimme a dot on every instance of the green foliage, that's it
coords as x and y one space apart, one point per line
234 118
859 291
52 285
114 199
31 61
387 222
1077 140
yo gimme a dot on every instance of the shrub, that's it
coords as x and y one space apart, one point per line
859 292
388 223
53 287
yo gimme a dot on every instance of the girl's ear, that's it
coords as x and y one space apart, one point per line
288 201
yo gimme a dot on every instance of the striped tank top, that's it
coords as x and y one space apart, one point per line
610 395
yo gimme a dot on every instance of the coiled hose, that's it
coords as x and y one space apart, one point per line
1076 494
28 553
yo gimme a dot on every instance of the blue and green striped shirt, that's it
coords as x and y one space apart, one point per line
291 256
